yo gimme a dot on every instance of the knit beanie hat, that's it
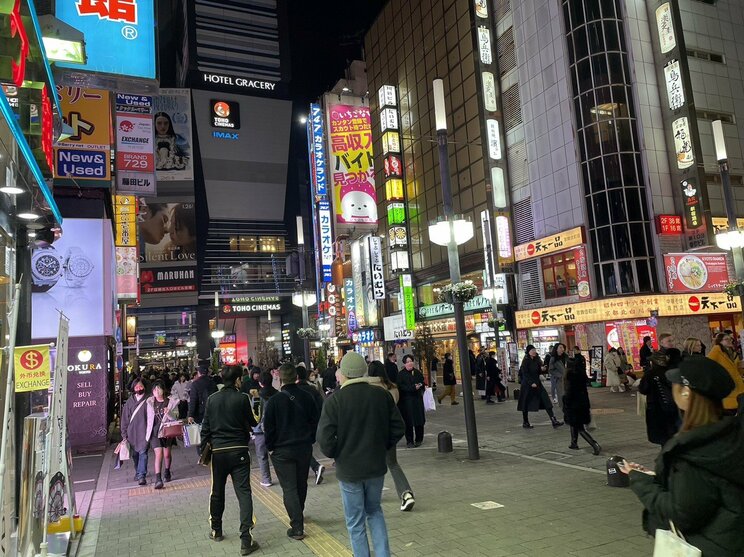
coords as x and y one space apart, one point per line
353 365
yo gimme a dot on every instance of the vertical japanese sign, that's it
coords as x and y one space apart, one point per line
675 90
125 240
409 306
326 239
58 410
356 273
582 273
350 305
376 268
370 303
318 151
119 35
665 27
86 154
135 157
353 173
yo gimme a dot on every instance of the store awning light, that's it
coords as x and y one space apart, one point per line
28 215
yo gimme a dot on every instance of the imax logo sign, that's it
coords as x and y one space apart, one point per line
229 136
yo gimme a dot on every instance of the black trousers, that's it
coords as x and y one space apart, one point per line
292 467
419 432
236 464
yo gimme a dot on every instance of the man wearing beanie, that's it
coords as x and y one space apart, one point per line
358 424
290 420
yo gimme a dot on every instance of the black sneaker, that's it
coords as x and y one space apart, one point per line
410 445
142 481
557 424
167 475
528 425
455 403
295 535
216 536
248 548
417 443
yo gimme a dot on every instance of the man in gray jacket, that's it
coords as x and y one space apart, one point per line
358 424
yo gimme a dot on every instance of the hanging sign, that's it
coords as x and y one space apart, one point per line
376 268
664 24
318 152
550 244
494 141
489 92
484 44
32 368
673 78
693 214
326 239
682 143
409 306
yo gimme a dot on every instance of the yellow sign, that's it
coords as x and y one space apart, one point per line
635 307
32 368
720 224
550 244
125 216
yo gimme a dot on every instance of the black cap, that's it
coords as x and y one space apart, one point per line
704 376
528 348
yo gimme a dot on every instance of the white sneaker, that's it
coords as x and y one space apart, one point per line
267 484
407 502
319 475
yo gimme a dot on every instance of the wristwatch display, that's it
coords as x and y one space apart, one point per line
47 267
77 267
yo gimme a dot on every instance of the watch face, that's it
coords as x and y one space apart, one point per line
47 266
80 266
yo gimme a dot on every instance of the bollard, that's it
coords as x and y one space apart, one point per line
615 478
444 442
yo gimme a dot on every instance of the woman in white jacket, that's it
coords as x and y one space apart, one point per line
612 363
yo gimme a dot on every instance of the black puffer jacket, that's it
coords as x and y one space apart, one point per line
228 420
699 486
201 388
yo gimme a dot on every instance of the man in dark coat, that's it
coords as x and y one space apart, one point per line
329 377
494 386
533 396
134 429
302 383
411 404
449 379
644 354
576 405
662 415
201 388
391 367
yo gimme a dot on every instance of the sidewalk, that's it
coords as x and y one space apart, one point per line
549 500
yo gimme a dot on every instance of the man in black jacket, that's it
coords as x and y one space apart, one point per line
449 379
227 425
302 383
494 386
201 388
391 367
290 420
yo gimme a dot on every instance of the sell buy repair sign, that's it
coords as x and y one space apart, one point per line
32 368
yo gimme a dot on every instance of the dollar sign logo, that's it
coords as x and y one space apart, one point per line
32 359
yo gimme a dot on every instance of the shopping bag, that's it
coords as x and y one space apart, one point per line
194 433
670 543
429 403
122 449
185 435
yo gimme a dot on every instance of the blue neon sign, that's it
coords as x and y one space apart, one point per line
119 35
319 157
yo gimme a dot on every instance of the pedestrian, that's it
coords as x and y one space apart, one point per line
576 405
411 387
644 354
580 362
494 386
723 353
625 380
612 365
433 371
227 425
290 422
164 412
692 346
201 388
302 382
391 367
449 379
265 392
180 390
548 355
134 430
697 482
328 377
480 373
556 370
378 377
358 425
662 417
533 396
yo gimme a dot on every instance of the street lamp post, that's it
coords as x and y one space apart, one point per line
733 239
454 266
305 316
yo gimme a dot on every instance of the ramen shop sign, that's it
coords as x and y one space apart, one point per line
698 272
550 244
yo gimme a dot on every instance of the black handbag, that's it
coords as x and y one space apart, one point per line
205 458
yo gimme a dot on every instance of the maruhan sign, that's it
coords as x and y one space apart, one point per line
234 81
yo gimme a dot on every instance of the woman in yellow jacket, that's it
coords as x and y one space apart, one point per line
723 353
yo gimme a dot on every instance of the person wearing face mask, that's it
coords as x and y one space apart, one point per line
134 430
411 404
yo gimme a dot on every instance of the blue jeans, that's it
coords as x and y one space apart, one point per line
361 507
139 459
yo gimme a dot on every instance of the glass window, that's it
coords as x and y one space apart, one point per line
601 214
618 213
608 277
638 235
633 204
627 282
604 243
592 141
584 71
559 275
624 135
596 40
580 43
644 276
600 70
577 13
596 175
612 40
612 172
608 8
622 241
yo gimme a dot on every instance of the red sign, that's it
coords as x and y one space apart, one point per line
694 303
47 128
536 317
16 44
669 224
113 10
696 272
582 273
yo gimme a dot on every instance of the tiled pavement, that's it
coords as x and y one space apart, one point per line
555 501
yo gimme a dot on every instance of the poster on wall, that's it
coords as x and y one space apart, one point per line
68 276
173 139
664 24
352 169
698 272
167 231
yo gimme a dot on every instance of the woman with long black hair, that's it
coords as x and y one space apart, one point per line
533 397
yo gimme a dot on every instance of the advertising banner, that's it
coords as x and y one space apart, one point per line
370 304
58 414
633 307
350 305
119 35
86 155
33 367
87 391
162 280
687 272
394 328
127 268
173 138
320 179
326 239
582 273
68 276
167 231
550 244
134 142
352 171
409 306
356 273
376 268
